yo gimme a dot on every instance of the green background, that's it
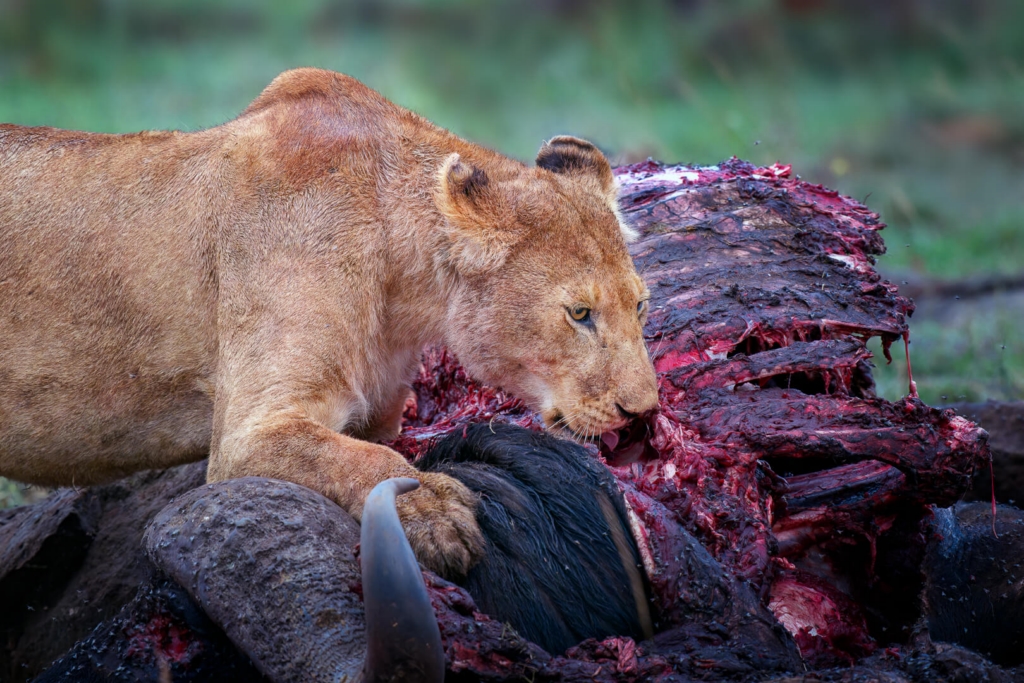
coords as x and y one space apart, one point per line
915 105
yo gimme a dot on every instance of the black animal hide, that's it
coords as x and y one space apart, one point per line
974 583
561 564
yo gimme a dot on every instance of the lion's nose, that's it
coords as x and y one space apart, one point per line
639 406
629 415
640 400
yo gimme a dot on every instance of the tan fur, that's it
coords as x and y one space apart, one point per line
260 291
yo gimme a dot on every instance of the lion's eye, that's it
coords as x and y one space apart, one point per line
579 313
640 307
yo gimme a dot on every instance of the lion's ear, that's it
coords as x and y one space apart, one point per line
566 154
478 216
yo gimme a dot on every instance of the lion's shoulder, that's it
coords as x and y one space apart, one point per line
308 85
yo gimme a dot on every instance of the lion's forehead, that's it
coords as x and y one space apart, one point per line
561 207
604 285
621 291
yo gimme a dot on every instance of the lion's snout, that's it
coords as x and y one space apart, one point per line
590 416
636 390
634 404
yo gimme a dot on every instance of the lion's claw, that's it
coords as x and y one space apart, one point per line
440 522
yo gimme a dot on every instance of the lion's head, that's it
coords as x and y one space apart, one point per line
550 306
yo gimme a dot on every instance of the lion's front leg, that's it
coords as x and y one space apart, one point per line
303 357
439 517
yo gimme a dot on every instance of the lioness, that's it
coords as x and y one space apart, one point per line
260 292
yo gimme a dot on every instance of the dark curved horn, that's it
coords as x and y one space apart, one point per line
403 642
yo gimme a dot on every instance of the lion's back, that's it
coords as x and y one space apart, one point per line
107 329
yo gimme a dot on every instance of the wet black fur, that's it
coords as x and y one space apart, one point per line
551 570
974 582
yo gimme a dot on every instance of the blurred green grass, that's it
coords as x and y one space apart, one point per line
14 493
915 107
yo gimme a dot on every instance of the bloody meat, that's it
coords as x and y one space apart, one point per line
770 447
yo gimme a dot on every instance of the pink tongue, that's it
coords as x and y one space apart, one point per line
611 440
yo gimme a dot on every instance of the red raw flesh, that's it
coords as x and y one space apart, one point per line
770 445
164 639
829 627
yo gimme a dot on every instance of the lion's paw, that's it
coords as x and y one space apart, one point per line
440 522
